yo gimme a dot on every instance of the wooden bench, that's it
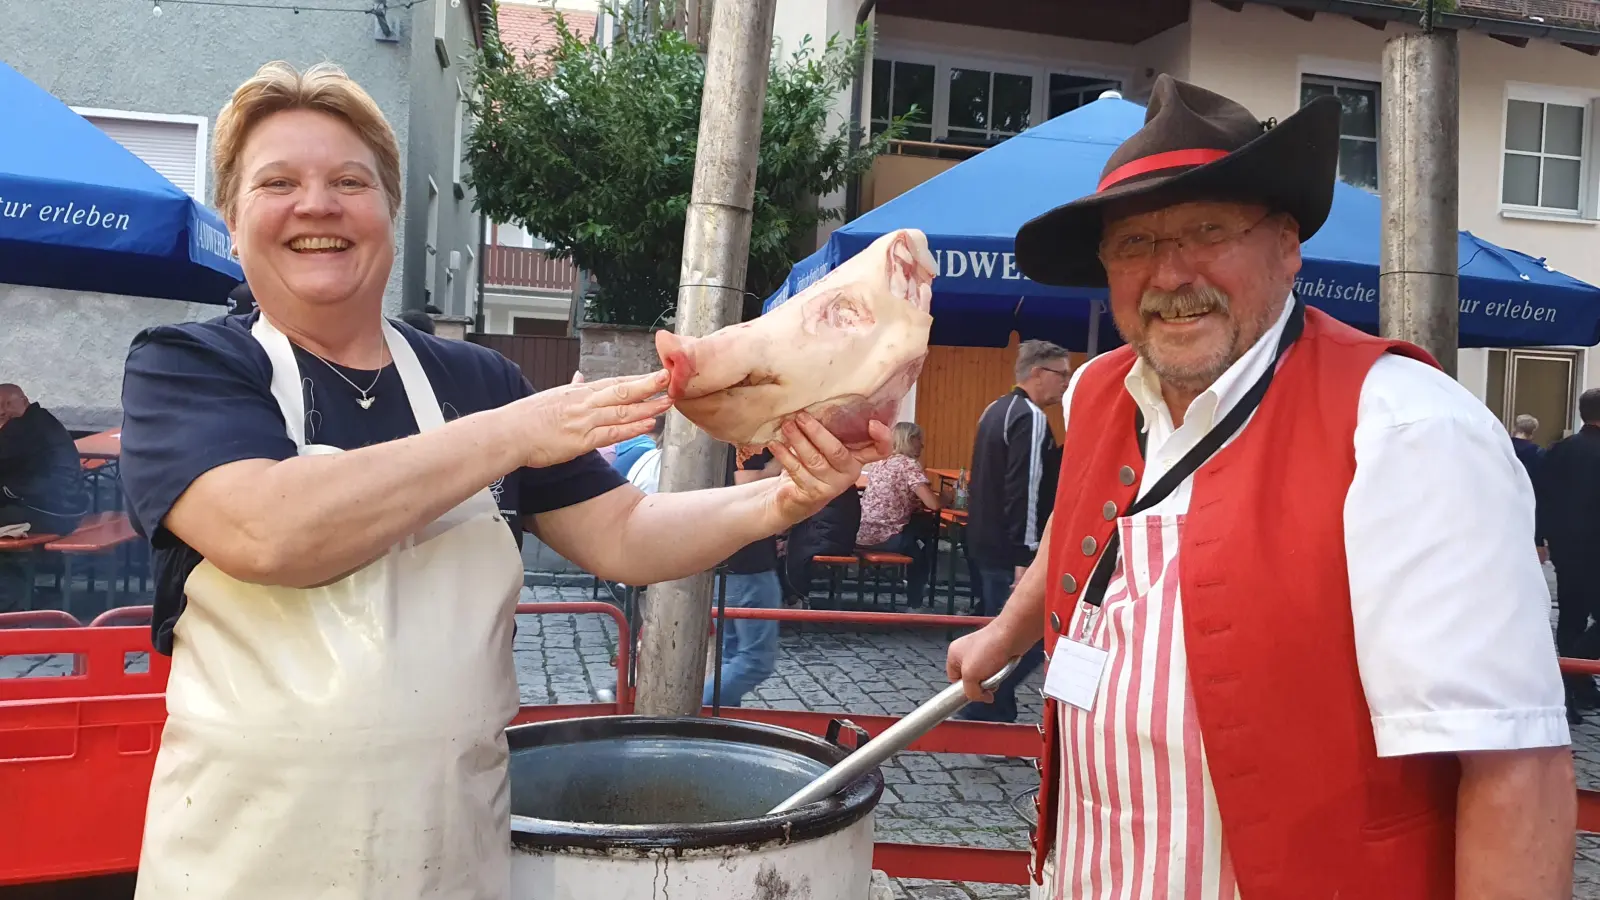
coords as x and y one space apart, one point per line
836 565
877 561
98 534
29 546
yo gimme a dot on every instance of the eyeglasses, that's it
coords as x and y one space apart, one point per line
1201 242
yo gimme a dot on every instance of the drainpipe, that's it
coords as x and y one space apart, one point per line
852 190
483 262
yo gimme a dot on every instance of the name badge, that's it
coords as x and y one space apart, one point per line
1073 676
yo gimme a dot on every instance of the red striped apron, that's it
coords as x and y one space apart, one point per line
1138 817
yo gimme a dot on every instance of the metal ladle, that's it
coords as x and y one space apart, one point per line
895 738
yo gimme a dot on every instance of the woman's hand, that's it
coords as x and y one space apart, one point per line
563 423
817 467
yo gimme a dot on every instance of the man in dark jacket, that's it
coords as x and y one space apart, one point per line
41 480
1568 510
1015 463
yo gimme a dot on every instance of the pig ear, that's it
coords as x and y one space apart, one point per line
909 273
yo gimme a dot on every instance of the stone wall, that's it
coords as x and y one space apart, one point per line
611 350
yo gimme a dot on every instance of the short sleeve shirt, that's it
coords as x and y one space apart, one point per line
197 395
890 498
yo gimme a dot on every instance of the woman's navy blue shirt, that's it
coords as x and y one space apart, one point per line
197 395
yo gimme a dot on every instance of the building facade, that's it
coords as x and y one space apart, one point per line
156 81
979 72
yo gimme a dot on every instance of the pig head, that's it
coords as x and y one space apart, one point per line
846 350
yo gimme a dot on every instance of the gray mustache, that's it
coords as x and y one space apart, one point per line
1182 303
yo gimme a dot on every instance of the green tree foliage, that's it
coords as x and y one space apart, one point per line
593 149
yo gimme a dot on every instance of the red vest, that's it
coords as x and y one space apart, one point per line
1309 811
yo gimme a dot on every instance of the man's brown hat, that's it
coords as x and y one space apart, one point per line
1195 145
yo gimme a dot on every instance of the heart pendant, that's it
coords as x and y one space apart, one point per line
366 402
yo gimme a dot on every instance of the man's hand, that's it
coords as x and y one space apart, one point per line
1016 575
976 656
1544 554
817 467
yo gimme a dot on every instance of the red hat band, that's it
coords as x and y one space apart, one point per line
1144 165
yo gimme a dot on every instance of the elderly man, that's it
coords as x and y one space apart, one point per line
1299 638
41 481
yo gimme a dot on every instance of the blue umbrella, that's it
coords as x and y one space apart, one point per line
971 213
79 211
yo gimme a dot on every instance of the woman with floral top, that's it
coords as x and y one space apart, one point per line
896 488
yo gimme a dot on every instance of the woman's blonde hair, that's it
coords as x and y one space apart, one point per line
279 86
905 438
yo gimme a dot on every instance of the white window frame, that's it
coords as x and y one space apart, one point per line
1538 93
1339 81
202 136
943 60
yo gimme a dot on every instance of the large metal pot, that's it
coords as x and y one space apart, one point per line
637 808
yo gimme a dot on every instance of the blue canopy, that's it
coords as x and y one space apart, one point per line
971 213
79 211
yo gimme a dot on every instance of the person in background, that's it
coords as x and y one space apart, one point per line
1529 452
1015 461
41 478
629 451
749 646
419 320
829 532
241 300
897 487
1568 511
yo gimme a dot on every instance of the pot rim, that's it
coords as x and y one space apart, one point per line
815 820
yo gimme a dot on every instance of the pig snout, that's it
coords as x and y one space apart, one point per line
697 367
674 350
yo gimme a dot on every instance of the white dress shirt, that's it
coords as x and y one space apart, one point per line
1449 602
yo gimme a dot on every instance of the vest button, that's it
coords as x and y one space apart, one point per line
1055 622
1126 475
1088 546
1069 584
1110 510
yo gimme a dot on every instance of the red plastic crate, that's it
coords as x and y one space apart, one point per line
74 778
76 751
99 666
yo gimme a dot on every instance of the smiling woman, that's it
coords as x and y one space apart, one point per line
326 493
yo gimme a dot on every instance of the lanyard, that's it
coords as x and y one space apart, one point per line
1094 594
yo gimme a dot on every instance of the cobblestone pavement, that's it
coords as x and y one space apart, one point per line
931 798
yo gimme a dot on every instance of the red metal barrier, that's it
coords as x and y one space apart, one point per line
843 617
624 638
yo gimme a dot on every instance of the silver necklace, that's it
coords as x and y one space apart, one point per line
366 395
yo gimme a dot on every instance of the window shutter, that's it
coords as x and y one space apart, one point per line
167 147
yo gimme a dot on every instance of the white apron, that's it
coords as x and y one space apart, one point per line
344 741
1138 818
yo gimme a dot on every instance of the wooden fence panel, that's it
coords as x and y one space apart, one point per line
545 360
